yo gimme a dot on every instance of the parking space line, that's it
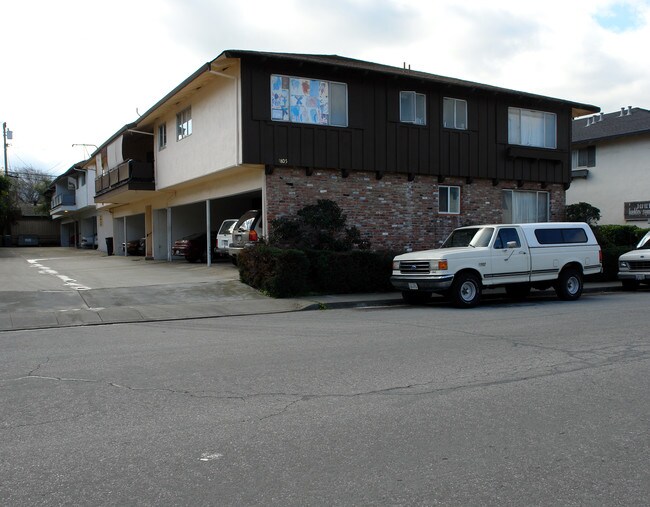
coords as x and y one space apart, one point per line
67 281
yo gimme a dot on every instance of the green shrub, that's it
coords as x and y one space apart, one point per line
610 261
349 272
618 235
279 273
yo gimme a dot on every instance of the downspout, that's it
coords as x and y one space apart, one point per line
234 78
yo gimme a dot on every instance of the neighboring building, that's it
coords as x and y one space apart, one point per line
407 155
33 228
611 165
73 205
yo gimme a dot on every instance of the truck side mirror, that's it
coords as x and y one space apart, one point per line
511 244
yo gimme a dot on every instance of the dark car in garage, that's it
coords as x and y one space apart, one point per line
193 247
135 246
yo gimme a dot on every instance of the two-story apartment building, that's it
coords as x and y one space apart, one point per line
72 203
407 155
611 165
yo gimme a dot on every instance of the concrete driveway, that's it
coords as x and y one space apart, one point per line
47 287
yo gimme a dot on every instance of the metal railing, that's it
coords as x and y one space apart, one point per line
130 170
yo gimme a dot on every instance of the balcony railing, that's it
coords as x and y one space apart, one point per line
138 175
62 200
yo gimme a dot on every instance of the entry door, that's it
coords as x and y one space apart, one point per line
510 262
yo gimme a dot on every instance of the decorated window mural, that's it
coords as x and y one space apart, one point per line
311 101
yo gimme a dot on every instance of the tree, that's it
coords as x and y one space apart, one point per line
30 186
319 226
9 212
582 212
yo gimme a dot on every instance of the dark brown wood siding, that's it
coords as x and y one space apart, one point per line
375 140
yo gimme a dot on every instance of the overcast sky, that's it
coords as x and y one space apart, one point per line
76 71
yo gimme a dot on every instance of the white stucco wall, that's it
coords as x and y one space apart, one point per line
621 174
214 142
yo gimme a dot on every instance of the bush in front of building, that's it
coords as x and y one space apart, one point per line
315 252
350 272
277 272
282 272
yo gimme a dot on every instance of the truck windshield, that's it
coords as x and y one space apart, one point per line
644 243
472 236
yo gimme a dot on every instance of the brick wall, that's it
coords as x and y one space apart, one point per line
394 213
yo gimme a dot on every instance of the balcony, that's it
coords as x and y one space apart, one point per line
125 183
62 200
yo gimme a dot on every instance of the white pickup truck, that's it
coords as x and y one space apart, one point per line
515 256
634 266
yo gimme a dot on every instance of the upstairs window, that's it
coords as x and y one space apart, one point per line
184 124
583 157
449 200
162 136
312 101
532 128
412 108
454 113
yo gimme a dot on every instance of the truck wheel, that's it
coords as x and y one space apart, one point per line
569 285
415 297
465 291
518 291
630 284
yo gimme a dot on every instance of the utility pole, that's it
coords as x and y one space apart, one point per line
6 134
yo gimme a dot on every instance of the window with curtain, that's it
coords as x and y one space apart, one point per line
525 206
583 157
532 128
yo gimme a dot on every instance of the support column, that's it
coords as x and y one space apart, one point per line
148 232
209 246
169 234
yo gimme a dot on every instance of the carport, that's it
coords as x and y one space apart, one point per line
127 228
198 217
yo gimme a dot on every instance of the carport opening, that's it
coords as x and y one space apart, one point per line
190 220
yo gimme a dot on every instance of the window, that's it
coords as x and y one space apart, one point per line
448 199
162 136
454 113
82 179
525 207
184 124
506 236
532 128
555 236
313 101
412 108
583 157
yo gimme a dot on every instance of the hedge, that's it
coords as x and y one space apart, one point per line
287 272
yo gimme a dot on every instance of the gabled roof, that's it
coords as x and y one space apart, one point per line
579 109
628 121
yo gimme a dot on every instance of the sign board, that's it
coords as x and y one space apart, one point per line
639 210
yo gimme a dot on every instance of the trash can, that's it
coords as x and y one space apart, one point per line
109 246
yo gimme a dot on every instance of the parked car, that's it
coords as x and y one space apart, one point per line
135 246
193 247
634 266
224 237
89 241
247 232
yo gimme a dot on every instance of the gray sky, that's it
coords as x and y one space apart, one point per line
76 71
